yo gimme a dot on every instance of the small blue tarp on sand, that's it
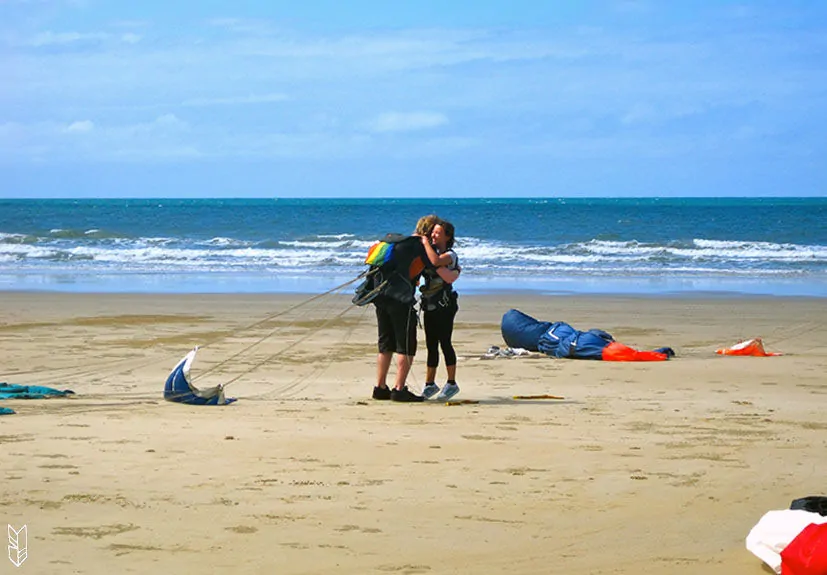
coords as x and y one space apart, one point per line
14 391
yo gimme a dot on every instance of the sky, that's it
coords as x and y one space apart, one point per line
364 98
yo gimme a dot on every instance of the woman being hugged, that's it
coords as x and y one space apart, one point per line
439 304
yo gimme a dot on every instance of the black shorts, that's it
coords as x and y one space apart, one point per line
397 327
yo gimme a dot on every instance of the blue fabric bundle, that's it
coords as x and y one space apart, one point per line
14 391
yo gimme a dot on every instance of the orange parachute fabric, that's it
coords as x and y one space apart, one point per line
806 554
616 351
751 347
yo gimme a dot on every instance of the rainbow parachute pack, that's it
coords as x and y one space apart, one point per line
379 254
395 261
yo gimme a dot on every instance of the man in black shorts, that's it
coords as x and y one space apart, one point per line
397 334
396 320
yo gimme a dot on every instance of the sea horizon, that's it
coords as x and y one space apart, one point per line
549 245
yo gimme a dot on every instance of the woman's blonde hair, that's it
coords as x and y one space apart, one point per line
426 224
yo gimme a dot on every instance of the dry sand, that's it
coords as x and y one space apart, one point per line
642 468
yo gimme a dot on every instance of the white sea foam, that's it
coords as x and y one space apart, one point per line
306 244
337 236
346 253
219 241
12 238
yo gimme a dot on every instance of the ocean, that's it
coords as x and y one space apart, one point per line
765 246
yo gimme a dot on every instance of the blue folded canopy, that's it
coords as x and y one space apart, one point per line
179 389
557 339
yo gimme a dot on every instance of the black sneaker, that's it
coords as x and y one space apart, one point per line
405 395
381 393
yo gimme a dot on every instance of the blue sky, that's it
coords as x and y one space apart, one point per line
405 99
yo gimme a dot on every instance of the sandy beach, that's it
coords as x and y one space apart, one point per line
642 468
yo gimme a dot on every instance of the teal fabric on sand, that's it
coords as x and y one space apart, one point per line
14 391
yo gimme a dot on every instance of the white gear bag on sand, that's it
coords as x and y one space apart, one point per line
775 530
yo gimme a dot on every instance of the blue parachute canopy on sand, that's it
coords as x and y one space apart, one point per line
561 340
179 389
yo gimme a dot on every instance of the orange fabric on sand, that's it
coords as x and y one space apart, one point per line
807 553
616 351
750 347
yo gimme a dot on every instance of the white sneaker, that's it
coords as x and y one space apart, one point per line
430 390
449 391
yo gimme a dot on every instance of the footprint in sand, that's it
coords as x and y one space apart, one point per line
15 438
406 569
243 529
346 528
476 437
96 532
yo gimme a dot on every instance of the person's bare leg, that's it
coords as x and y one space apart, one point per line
430 374
383 365
452 372
403 366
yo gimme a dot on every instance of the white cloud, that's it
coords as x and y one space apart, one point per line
636 7
129 23
168 120
514 89
241 25
50 38
163 138
163 126
406 121
644 113
80 127
130 38
236 100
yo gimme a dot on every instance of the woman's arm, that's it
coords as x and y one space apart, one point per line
429 251
437 260
448 276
